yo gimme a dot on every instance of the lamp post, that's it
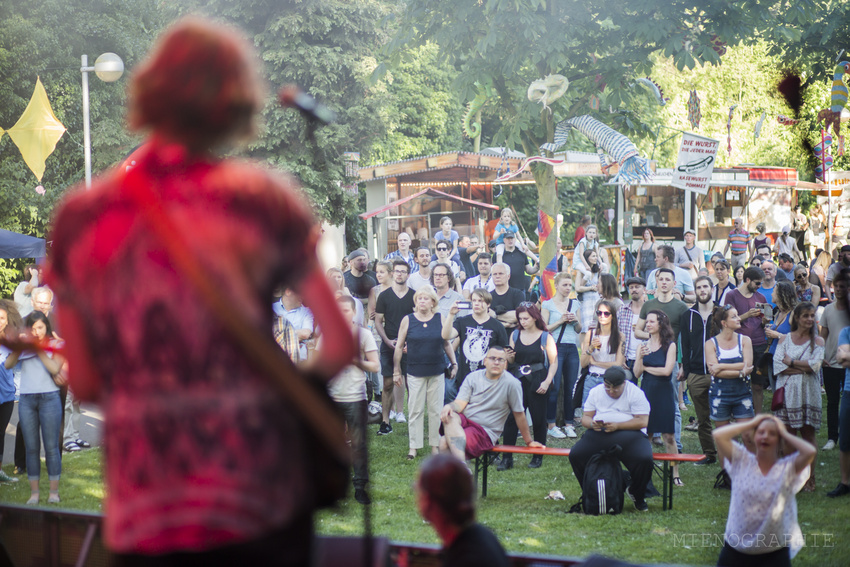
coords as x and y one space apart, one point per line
109 68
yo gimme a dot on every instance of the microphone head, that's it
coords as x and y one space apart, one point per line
288 95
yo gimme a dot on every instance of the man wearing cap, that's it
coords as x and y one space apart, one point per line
833 271
517 260
787 245
628 315
357 279
739 241
690 256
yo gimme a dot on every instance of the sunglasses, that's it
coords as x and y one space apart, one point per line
526 304
603 313
442 249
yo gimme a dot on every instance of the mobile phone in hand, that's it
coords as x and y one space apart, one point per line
464 305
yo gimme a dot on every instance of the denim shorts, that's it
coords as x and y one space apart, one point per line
730 398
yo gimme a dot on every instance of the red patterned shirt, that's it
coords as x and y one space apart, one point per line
199 452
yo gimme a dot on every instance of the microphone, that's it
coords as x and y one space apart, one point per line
292 96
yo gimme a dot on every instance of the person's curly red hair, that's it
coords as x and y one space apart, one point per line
199 85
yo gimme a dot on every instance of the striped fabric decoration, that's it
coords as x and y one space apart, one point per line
633 168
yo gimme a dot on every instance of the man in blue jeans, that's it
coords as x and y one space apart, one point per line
843 356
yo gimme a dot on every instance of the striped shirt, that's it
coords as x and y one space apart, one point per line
739 241
625 321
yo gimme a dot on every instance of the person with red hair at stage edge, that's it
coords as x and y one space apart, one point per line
206 462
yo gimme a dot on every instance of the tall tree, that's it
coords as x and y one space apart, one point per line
327 48
45 38
601 47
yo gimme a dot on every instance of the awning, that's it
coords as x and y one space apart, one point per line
14 245
433 193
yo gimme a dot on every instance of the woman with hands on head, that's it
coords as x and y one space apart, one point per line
796 363
40 407
762 527
533 357
656 362
420 335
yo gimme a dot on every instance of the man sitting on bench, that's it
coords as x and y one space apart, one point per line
475 419
616 413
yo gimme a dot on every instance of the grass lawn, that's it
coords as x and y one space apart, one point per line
516 510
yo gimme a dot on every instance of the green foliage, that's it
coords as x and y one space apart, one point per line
423 113
327 48
46 38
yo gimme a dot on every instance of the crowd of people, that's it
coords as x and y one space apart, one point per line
455 325
715 331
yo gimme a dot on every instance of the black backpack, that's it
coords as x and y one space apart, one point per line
604 484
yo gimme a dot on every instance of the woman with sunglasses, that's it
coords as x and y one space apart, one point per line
600 349
806 291
533 357
796 364
656 364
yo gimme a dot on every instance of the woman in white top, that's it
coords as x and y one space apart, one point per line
762 527
796 365
589 242
587 282
600 348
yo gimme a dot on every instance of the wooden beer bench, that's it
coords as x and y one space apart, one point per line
482 464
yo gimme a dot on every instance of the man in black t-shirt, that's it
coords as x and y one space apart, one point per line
518 262
476 334
358 280
393 305
445 495
505 298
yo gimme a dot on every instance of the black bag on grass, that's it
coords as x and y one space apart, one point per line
603 489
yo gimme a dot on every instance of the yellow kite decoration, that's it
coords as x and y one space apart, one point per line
37 131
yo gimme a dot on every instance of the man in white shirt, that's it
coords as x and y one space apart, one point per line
299 316
483 278
422 276
348 390
23 299
616 412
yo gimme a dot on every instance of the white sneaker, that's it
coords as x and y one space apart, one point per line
556 433
399 417
570 431
392 415
830 445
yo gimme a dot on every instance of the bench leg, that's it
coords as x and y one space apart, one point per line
666 480
486 465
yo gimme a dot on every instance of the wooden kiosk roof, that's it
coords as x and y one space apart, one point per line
459 167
